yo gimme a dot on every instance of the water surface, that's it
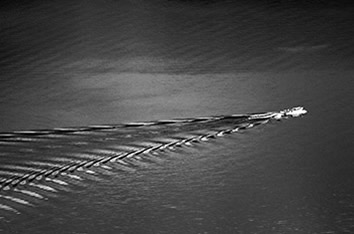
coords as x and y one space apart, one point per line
104 62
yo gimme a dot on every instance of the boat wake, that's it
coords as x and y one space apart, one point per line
38 164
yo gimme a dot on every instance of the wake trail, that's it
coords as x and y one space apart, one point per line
38 164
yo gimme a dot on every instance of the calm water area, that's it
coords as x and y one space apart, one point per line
76 63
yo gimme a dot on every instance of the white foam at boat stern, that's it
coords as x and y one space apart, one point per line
292 112
295 111
278 116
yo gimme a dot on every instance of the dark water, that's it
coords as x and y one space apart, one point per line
77 63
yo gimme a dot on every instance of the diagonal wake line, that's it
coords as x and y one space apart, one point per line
43 161
294 112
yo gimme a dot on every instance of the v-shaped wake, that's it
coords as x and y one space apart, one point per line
36 164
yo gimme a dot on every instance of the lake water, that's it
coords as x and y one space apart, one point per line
76 63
